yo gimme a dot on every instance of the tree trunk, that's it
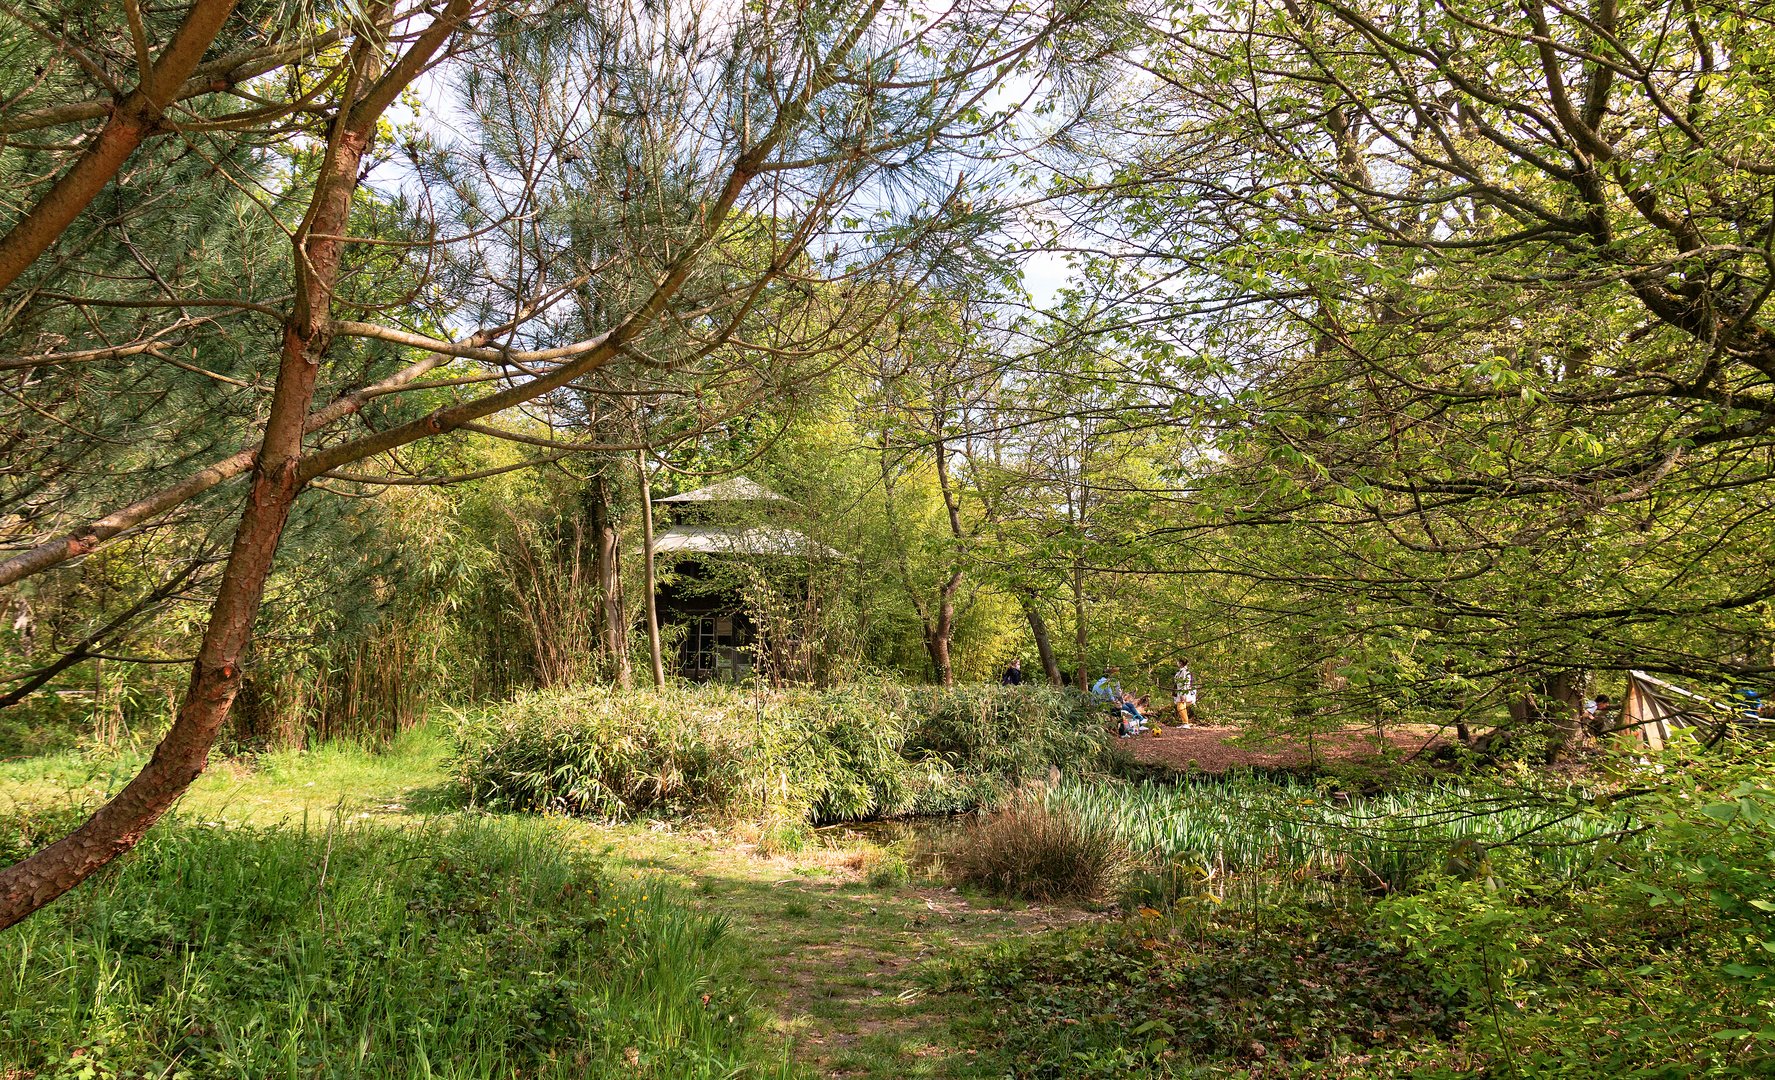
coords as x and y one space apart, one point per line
1552 706
215 678
936 643
612 633
1080 634
649 583
216 675
939 632
1564 719
1044 646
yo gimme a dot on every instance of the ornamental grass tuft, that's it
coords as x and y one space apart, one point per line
1037 852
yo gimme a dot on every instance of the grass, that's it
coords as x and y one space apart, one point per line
462 948
1242 824
406 779
1034 851
817 961
330 914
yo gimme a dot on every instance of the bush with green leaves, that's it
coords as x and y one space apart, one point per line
856 752
488 948
1666 955
1651 955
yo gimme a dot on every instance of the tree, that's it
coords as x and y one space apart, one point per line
1490 300
751 133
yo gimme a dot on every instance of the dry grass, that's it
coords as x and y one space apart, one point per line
1035 852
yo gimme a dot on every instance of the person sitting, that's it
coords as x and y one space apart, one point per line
1600 717
1133 720
1108 688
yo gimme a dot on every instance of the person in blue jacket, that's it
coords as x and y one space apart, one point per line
1108 688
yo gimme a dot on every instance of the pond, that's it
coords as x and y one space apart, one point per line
919 839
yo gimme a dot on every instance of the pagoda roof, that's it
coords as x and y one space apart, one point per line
749 540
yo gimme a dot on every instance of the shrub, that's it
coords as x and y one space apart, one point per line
1668 958
582 751
1036 852
863 751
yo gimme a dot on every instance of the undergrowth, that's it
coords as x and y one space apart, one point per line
862 751
1029 850
1149 998
1243 823
1652 957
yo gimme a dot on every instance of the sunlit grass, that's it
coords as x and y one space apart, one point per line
1248 824
465 948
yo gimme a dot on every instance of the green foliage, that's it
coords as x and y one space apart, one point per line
1027 849
1150 999
1648 959
856 752
1666 960
25 828
1244 823
885 869
474 949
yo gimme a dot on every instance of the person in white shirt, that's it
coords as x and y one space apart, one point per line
1183 692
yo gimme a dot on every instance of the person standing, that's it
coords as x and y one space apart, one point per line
1013 675
1183 692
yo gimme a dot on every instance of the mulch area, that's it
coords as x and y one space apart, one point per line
1213 749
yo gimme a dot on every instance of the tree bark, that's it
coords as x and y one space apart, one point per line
938 633
649 582
612 633
1080 633
1044 646
216 676
1552 706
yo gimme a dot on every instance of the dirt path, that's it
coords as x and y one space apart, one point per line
836 959
1217 749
